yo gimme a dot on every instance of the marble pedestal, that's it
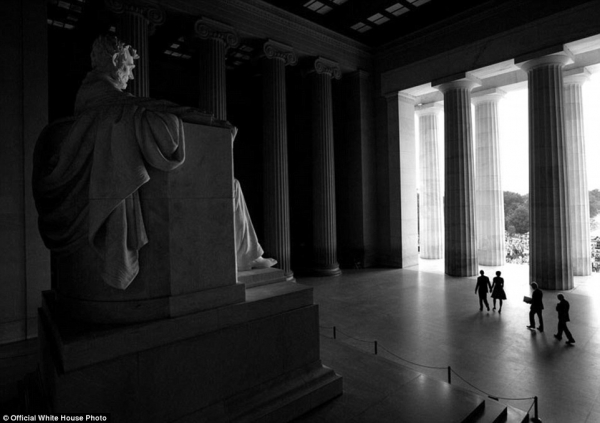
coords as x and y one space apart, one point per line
255 360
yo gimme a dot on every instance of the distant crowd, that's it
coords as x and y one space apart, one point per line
517 248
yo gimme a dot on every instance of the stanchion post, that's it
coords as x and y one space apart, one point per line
536 417
449 375
334 337
375 347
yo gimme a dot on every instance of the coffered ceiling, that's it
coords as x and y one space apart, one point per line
374 22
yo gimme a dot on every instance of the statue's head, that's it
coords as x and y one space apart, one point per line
112 57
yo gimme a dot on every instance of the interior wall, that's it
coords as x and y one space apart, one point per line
24 261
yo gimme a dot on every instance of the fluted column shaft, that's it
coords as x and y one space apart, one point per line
213 93
550 236
459 205
579 202
431 195
276 192
489 198
324 210
214 40
136 23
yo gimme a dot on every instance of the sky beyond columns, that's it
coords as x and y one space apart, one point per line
514 134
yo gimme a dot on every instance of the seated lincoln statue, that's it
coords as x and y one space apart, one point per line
86 185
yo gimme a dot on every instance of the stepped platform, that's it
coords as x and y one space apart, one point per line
379 390
259 277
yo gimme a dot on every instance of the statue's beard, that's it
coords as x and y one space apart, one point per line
121 79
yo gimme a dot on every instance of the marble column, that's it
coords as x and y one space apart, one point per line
431 207
459 205
579 201
276 191
489 197
324 220
214 40
136 23
401 186
550 236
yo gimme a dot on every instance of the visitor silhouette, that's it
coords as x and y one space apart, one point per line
498 291
483 283
563 317
536 307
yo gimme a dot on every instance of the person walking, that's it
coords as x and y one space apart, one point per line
498 291
536 307
483 284
563 317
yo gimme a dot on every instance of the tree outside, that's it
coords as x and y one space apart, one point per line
516 224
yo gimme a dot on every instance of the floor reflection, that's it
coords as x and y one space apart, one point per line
432 319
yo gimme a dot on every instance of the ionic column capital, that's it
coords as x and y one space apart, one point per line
279 51
209 29
327 67
153 15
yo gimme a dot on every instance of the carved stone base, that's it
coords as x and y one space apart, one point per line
255 360
258 277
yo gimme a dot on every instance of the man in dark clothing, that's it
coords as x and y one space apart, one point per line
563 317
483 285
536 307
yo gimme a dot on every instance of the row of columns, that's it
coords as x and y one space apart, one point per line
214 38
473 206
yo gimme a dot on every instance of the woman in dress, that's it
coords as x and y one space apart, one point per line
498 291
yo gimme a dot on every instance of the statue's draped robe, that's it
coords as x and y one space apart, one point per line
86 184
246 242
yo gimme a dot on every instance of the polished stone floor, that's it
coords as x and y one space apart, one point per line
421 317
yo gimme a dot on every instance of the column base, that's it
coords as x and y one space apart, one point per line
332 271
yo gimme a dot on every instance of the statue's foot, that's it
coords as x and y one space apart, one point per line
263 263
259 263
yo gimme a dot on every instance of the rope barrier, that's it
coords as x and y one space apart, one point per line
352 337
448 368
411 362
